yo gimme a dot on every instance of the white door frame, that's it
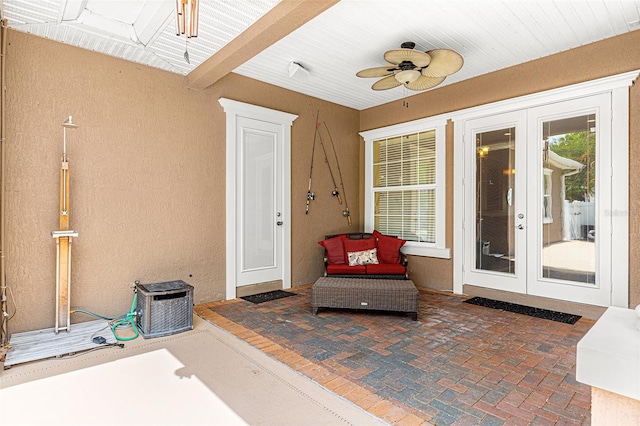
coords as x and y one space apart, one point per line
618 87
233 110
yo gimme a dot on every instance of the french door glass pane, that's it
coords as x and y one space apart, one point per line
495 197
569 199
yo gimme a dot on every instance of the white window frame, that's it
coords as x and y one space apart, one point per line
438 123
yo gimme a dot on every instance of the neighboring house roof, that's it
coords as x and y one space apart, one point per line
563 162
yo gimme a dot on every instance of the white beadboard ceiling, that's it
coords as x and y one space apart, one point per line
348 37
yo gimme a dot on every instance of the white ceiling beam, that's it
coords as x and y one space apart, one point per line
70 10
285 17
153 20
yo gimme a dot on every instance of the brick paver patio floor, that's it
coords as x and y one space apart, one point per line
458 364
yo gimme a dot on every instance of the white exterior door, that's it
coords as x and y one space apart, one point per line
495 191
538 197
569 171
259 202
258 197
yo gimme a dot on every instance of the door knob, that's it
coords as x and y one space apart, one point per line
521 226
279 223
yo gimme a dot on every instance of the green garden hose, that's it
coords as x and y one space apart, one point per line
128 318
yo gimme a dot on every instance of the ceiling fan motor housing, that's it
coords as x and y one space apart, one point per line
406 65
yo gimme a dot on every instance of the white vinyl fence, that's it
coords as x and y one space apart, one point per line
578 218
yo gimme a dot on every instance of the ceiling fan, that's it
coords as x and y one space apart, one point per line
414 69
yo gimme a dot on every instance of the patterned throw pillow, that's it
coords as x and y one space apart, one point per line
364 257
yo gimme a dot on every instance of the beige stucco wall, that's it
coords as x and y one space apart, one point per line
147 178
148 169
608 408
615 55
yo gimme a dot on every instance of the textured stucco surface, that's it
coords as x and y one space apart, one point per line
147 171
615 55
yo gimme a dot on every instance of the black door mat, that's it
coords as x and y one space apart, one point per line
525 310
265 297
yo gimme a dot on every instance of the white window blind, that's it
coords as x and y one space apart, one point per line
404 180
405 184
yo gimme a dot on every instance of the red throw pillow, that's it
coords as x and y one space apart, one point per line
335 249
388 248
351 246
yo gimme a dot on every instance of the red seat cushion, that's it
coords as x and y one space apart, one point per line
345 270
386 269
388 248
335 249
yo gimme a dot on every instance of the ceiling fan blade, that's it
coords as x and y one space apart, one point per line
386 83
444 62
419 59
377 71
424 83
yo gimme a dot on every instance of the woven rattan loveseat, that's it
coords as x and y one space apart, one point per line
365 271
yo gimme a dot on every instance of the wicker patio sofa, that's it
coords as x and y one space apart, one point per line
388 261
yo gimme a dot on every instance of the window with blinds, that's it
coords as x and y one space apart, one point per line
404 186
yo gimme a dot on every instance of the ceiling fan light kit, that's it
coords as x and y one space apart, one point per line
407 76
414 69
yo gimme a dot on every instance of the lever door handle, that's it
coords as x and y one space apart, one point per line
279 223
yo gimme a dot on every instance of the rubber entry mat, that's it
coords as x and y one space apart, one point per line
266 297
525 310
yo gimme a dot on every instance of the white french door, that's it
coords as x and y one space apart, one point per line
537 187
495 243
569 170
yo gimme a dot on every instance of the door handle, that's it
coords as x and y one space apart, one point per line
521 226
279 223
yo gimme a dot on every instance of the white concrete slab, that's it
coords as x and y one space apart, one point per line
608 356
204 376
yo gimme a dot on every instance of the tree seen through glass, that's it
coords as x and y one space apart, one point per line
581 147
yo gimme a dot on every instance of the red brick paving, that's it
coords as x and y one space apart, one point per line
458 364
